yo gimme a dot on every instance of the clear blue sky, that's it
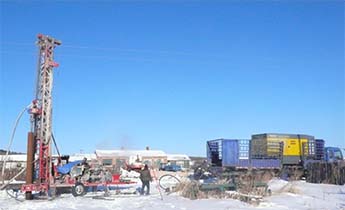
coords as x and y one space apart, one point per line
173 74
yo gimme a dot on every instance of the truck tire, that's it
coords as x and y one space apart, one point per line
78 190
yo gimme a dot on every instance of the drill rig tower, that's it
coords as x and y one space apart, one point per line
39 167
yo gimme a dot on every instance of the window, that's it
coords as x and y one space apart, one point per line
337 155
107 162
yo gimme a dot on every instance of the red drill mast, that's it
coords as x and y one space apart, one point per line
39 172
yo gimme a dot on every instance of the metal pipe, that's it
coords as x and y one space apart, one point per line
11 141
30 163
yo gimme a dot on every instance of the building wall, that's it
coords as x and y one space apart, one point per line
183 163
113 163
154 162
13 161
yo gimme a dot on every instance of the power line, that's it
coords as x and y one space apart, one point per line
162 52
83 56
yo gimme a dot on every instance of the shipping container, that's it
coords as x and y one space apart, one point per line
264 146
236 153
227 152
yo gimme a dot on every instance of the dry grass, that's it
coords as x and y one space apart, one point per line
191 190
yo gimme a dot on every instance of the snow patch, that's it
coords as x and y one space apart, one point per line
307 196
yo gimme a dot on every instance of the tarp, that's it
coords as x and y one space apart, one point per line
65 169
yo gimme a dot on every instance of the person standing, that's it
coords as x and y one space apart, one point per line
145 177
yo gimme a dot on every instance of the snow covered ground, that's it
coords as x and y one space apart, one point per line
302 195
285 195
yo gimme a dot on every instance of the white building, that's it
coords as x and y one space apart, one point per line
14 161
113 159
179 159
118 158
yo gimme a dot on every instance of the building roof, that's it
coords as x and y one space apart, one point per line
128 153
75 157
177 157
21 158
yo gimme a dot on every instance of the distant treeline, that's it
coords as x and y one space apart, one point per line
3 152
194 158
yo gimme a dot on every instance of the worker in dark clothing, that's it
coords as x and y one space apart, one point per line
85 165
145 177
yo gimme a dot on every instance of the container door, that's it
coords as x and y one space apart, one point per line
230 153
292 152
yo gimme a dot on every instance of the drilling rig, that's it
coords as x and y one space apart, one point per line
39 175
42 175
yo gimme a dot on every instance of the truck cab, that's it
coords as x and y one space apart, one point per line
333 154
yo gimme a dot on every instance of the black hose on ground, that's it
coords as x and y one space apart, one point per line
167 176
